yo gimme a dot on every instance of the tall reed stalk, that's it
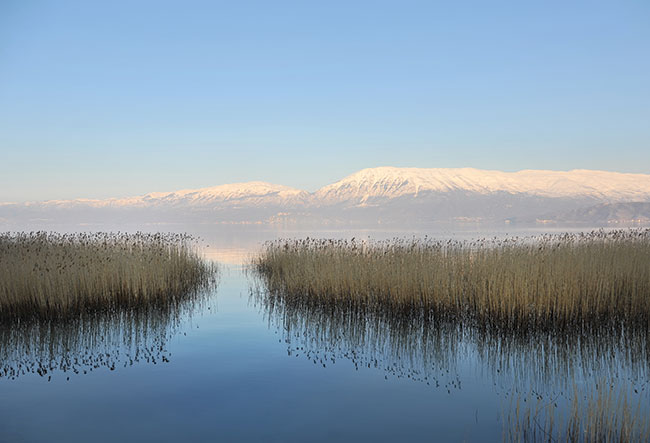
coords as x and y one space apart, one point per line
50 275
552 281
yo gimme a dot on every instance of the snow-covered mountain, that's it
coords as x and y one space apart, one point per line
387 182
244 194
386 196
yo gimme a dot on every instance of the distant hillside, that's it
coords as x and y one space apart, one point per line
386 196
629 213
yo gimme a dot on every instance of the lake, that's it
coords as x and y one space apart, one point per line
230 366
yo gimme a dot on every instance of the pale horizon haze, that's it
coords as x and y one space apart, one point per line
124 98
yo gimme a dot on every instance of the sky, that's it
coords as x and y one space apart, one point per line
120 98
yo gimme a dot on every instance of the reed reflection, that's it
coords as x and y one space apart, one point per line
96 340
582 385
419 344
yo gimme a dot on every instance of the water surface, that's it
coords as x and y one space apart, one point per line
232 366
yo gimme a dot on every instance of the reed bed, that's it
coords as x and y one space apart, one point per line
49 275
559 282
541 314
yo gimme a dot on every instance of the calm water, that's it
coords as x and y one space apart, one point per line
230 366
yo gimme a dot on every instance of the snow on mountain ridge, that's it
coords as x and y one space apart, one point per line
233 191
391 182
255 192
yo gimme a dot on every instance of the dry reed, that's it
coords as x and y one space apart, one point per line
539 312
563 281
49 275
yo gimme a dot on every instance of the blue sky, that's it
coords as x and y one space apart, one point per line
120 98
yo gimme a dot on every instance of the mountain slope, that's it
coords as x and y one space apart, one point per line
386 196
388 182
628 213
247 194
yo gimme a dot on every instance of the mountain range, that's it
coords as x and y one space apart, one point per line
384 196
